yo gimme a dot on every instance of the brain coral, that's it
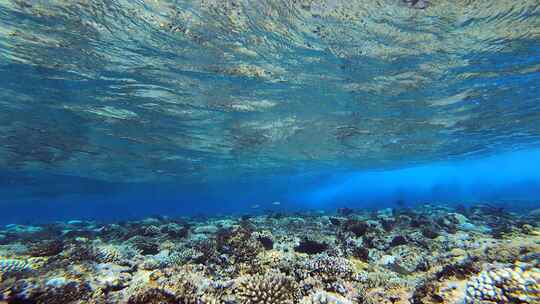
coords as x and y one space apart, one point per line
519 284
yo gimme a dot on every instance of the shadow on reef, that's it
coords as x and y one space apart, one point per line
430 254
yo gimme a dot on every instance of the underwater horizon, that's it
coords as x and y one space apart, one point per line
507 181
269 151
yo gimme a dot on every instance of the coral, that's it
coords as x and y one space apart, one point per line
152 296
200 251
381 279
367 257
111 277
408 259
285 262
145 245
386 296
79 251
398 240
509 251
323 297
448 291
311 246
185 255
329 269
429 232
175 230
151 230
54 290
46 248
107 253
240 243
188 287
270 289
359 228
518 284
14 265
265 238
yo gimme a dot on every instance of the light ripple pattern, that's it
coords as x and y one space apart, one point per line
185 90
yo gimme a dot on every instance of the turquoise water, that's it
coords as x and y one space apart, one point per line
115 109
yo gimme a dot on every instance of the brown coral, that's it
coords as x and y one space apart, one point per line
153 296
46 248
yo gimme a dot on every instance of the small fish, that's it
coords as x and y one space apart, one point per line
255 206
276 203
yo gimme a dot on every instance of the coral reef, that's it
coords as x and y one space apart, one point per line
429 254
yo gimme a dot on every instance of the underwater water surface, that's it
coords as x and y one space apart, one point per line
270 151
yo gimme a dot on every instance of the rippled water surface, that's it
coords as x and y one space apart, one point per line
189 90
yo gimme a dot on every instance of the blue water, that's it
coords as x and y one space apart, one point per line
125 109
510 181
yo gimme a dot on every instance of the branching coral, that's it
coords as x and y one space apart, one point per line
271 289
107 253
329 268
14 265
187 287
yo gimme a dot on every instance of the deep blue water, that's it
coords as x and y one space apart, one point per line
118 110
511 181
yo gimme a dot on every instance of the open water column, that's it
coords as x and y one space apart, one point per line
269 151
